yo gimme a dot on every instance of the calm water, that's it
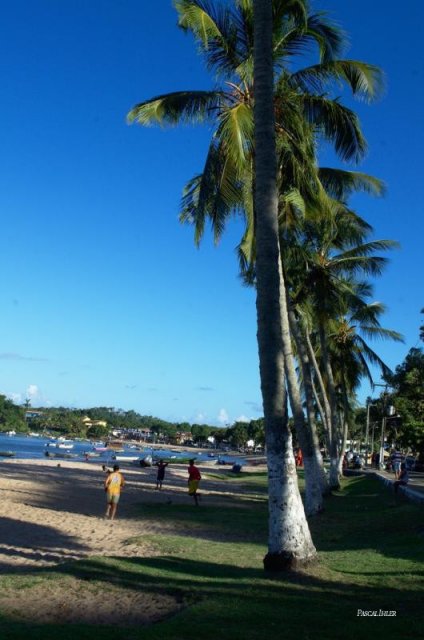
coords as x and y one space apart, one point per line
30 448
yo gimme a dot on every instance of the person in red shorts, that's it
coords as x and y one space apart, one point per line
194 478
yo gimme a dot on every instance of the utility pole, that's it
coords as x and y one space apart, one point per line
383 423
367 429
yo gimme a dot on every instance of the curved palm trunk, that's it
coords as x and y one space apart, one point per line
316 464
335 432
344 431
325 409
289 542
342 447
310 448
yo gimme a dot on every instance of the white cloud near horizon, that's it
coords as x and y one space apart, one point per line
199 418
223 417
32 391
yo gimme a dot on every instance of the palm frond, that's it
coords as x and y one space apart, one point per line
216 28
370 265
292 208
365 80
367 248
235 132
338 124
332 40
213 195
340 184
178 107
246 249
379 333
371 355
319 30
199 17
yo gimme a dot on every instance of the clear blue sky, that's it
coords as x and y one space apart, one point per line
105 299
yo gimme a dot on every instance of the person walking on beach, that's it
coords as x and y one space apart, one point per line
161 465
194 478
113 484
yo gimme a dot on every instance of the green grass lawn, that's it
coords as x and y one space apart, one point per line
371 553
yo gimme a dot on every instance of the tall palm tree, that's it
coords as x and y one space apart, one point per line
330 256
225 37
289 539
226 183
351 353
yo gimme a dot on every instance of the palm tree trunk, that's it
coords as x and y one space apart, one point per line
289 541
313 493
344 431
315 466
324 409
335 432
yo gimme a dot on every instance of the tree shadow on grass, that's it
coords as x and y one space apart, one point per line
363 516
252 598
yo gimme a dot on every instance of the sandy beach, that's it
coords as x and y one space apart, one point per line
52 513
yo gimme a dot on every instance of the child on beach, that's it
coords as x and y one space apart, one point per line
113 484
161 465
194 478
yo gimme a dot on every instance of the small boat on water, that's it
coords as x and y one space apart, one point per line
100 449
7 454
125 458
51 454
60 445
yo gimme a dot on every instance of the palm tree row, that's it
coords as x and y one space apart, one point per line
312 275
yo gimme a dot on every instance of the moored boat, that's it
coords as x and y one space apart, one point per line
51 454
60 445
7 454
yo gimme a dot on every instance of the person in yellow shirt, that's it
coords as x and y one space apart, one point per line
113 484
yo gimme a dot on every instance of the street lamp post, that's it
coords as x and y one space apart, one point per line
383 431
372 437
367 429
383 423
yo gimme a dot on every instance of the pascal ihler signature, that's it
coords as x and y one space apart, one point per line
362 613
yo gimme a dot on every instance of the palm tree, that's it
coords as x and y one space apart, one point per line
225 36
351 354
289 539
329 256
